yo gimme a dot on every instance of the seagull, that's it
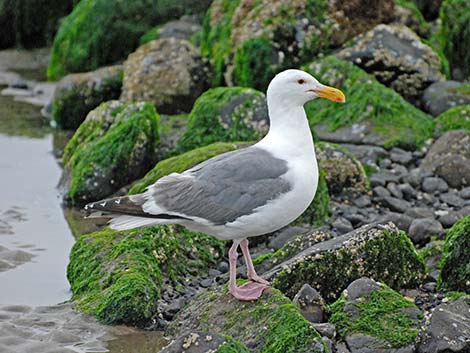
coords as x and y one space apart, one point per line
243 193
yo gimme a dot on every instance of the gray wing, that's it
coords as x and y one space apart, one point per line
225 187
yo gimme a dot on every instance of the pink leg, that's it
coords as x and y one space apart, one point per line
251 273
248 291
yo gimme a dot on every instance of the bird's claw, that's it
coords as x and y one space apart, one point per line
254 277
248 291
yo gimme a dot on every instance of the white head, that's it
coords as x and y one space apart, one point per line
297 87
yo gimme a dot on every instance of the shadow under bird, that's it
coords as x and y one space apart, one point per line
239 194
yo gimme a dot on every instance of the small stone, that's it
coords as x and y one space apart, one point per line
430 287
223 267
434 184
452 199
325 329
400 156
422 229
342 225
402 221
362 201
448 220
385 163
206 282
310 303
465 193
383 178
414 177
408 191
214 273
395 204
381 192
361 287
420 212
395 190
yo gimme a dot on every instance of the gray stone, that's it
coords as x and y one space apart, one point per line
167 72
414 177
381 192
395 190
279 238
395 204
449 158
443 95
408 191
325 329
360 343
385 163
452 199
311 304
362 201
366 153
342 225
465 193
184 28
402 221
397 57
420 212
382 178
398 155
422 229
434 184
196 342
447 329
361 287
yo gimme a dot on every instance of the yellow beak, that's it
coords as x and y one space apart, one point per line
331 93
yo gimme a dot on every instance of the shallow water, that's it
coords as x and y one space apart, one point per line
35 237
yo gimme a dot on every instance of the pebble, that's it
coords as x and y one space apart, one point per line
310 303
422 229
400 156
395 190
206 282
395 204
452 199
434 184
342 225
362 201
385 163
408 191
214 272
223 267
420 212
382 178
402 221
325 329
465 193
381 192
414 177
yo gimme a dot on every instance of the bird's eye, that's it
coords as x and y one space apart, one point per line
301 81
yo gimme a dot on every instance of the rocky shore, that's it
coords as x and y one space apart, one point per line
379 261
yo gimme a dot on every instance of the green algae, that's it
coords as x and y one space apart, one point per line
388 256
456 118
180 163
223 114
380 315
455 267
284 329
150 35
396 121
118 276
232 346
454 34
120 149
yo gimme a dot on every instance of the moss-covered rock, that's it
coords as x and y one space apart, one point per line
31 23
101 32
167 72
118 276
378 251
373 315
248 41
344 174
408 14
373 113
187 27
455 267
77 94
454 34
115 145
398 59
203 341
226 114
443 95
180 163
457 118
272 324
171 128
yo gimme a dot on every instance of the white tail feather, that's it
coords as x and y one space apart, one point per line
125 222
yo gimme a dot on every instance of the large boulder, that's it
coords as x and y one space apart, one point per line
344 174
187 27
379 251
457 118
226 114
120 277
441 96
167 72
447 329
270 324
248 41
31 23
449 158
396 56
370 316
77 94
115 145
455 267
374 114
102 32
454 35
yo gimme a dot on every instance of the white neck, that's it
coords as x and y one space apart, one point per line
289 132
